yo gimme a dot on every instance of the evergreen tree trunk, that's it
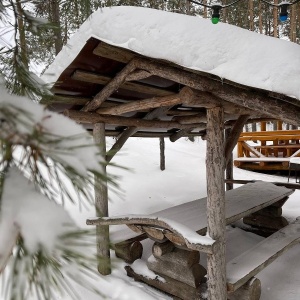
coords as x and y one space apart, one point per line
251 16
275 19
293 23
260 21
54 4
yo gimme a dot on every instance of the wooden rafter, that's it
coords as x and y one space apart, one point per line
183 132
111 86
138 75
114 53
92 77
141 105
250 99
128 132
93 118
148 134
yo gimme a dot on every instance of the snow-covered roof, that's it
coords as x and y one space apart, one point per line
227 51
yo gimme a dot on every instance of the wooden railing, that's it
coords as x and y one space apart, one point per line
265 148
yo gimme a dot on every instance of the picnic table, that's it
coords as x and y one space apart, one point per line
179 235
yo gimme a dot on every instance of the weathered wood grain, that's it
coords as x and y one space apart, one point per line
92 118
139 105
101 205
248 264
192 276
110 87
216 214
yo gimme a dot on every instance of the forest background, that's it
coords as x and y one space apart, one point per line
32 33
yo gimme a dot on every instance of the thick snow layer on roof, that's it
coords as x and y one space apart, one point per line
227 51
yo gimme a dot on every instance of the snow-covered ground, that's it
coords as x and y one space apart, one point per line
146 189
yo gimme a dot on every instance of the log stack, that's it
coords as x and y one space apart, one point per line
267 220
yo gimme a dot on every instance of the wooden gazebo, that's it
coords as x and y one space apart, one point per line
116 91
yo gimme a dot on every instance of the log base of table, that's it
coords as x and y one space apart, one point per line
181 291
171 286
267 220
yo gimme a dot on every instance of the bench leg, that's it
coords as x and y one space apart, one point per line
129 251
179 264
268 220
251 290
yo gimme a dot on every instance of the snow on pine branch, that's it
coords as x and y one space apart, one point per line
44 139
51 250
28 123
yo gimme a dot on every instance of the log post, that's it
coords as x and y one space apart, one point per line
229 165
162 153
101 205
216 226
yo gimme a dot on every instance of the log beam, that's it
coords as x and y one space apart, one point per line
92 77
216 224
141 105
93 118
249 99
113 85
138 75
128 132
181 133
147 134
209 100
229 164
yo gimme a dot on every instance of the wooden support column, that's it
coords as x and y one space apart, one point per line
162 153
101 204
229 164
216 226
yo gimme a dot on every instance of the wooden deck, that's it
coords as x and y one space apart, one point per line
267 150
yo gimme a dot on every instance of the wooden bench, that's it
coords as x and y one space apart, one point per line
176 228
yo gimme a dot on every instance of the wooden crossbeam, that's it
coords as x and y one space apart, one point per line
93 118
66 100
128 132
279 137
252 100
148 134
141 105
110 87
131 86
114 53
208 100
138 75
183 132
271 133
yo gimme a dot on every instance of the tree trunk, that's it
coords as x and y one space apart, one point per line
293 23
215 162
260 21
275 19
55 14
229 166
101 204
251 15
